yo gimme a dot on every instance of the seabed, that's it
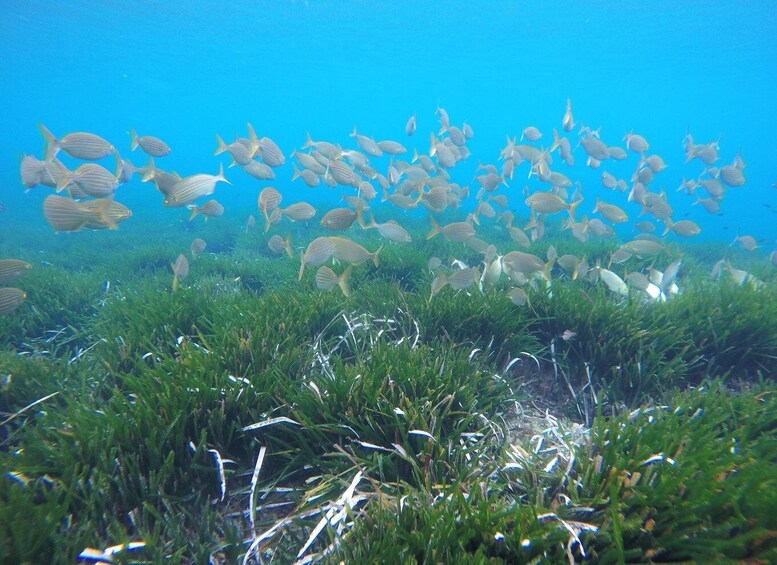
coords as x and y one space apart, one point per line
248 417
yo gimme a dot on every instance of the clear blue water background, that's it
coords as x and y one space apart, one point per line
184 71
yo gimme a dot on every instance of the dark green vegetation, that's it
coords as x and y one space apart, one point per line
386 413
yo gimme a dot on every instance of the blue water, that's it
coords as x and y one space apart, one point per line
185 71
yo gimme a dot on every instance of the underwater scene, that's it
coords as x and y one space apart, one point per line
388 282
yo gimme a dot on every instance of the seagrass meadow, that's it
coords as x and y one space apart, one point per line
252 418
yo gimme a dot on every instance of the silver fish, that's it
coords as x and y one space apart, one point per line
190 188
367 144
392 147
259 170
151 146
87 146
317 253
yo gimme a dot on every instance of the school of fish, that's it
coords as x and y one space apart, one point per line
83 198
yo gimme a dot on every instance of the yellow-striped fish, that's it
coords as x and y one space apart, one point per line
193 187
104 213
10 300
278 245
151 146
269 199
211 209
338 219
299 212
611 212
87 146
455 231
198 246
65 214
12 269
344 249
327 279
317 253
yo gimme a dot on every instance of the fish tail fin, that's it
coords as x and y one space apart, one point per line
415 155
52 144
118 164
301 266
344 281
573 207
103 216
150 171
66 176
435 228
360 215
432 144
287 246
547 268
438 283
271 218
134 139
308 141
475 216
667 226
353 133
251 132
221 145
532 222
295 176
220 176
194 209
376 257
556 141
